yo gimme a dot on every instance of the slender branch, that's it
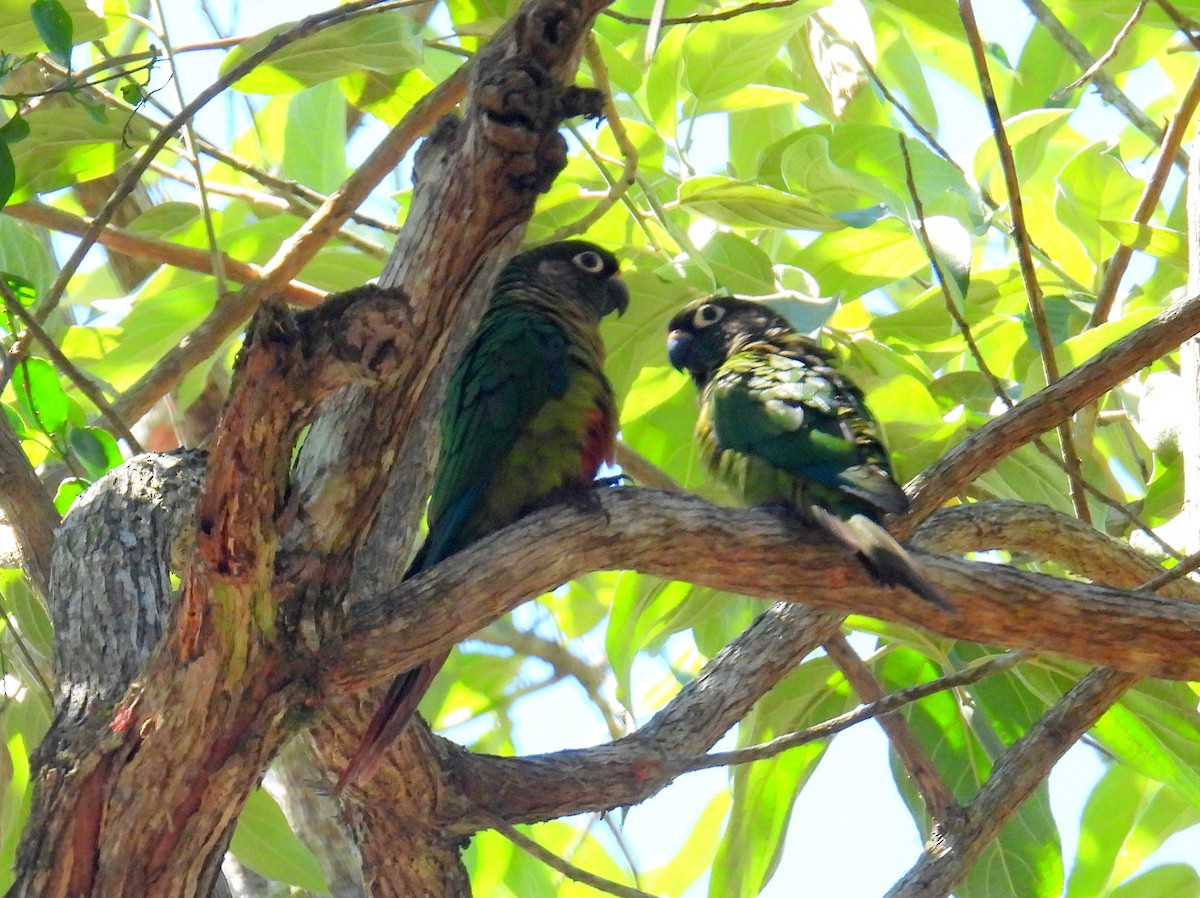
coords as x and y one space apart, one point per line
629 154
67 367
1107 55
876 709
301 29
28 507
1103 82
1148 201
161 251
552 860
1044 410
229 315
189 149
925 776
1017 773
722 16
1020 235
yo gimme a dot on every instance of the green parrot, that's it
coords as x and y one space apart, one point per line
779 425
528 414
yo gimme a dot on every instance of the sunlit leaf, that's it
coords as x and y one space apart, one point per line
263 841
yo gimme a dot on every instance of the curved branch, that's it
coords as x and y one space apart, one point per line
1044 410
754 552
1045 535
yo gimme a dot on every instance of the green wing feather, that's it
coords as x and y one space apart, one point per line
518 363
808 429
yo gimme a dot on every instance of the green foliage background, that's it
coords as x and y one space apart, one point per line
761 153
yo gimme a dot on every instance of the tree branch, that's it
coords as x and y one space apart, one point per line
1047 408
753 552
1019 771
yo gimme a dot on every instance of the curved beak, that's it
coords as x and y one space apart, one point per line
618 296
679 347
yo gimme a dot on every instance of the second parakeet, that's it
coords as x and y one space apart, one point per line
529 413
779 424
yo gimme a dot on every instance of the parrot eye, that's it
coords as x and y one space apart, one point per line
708 314
589 262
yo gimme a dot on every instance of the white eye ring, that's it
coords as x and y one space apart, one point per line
589 262
708 314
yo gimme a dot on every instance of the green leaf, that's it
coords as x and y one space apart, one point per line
385 42
1176 880
96 449
764 792
24 291
265 843
738 265
67 146
19 32
54 26
40 396
1162 243
314 144
952 250
14 130
757 38
8 174
747 205
1094 186
68 491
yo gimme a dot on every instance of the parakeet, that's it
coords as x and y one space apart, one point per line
779 425
529 413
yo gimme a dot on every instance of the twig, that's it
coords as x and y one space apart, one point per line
136 169
575 874
67 367
722 16
643 470
161 251
565 664
925 776
1103 82
189 147
1185 25
618 188
1105 56
1017 773
1172 140
1033 290
234 309
885 705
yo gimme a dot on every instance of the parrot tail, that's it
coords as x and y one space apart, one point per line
389 722
883 557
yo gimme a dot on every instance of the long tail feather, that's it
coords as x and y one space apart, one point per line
883 557
389 722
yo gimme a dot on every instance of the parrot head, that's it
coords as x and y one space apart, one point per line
574 268
706 332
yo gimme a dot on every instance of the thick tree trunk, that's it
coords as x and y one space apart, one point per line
179 749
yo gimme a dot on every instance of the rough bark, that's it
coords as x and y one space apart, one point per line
232 680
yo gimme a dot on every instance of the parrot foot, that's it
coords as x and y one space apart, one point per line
614 481
584 498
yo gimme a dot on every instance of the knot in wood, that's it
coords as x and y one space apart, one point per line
547 30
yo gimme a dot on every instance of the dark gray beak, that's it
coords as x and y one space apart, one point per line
679 347
618 296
